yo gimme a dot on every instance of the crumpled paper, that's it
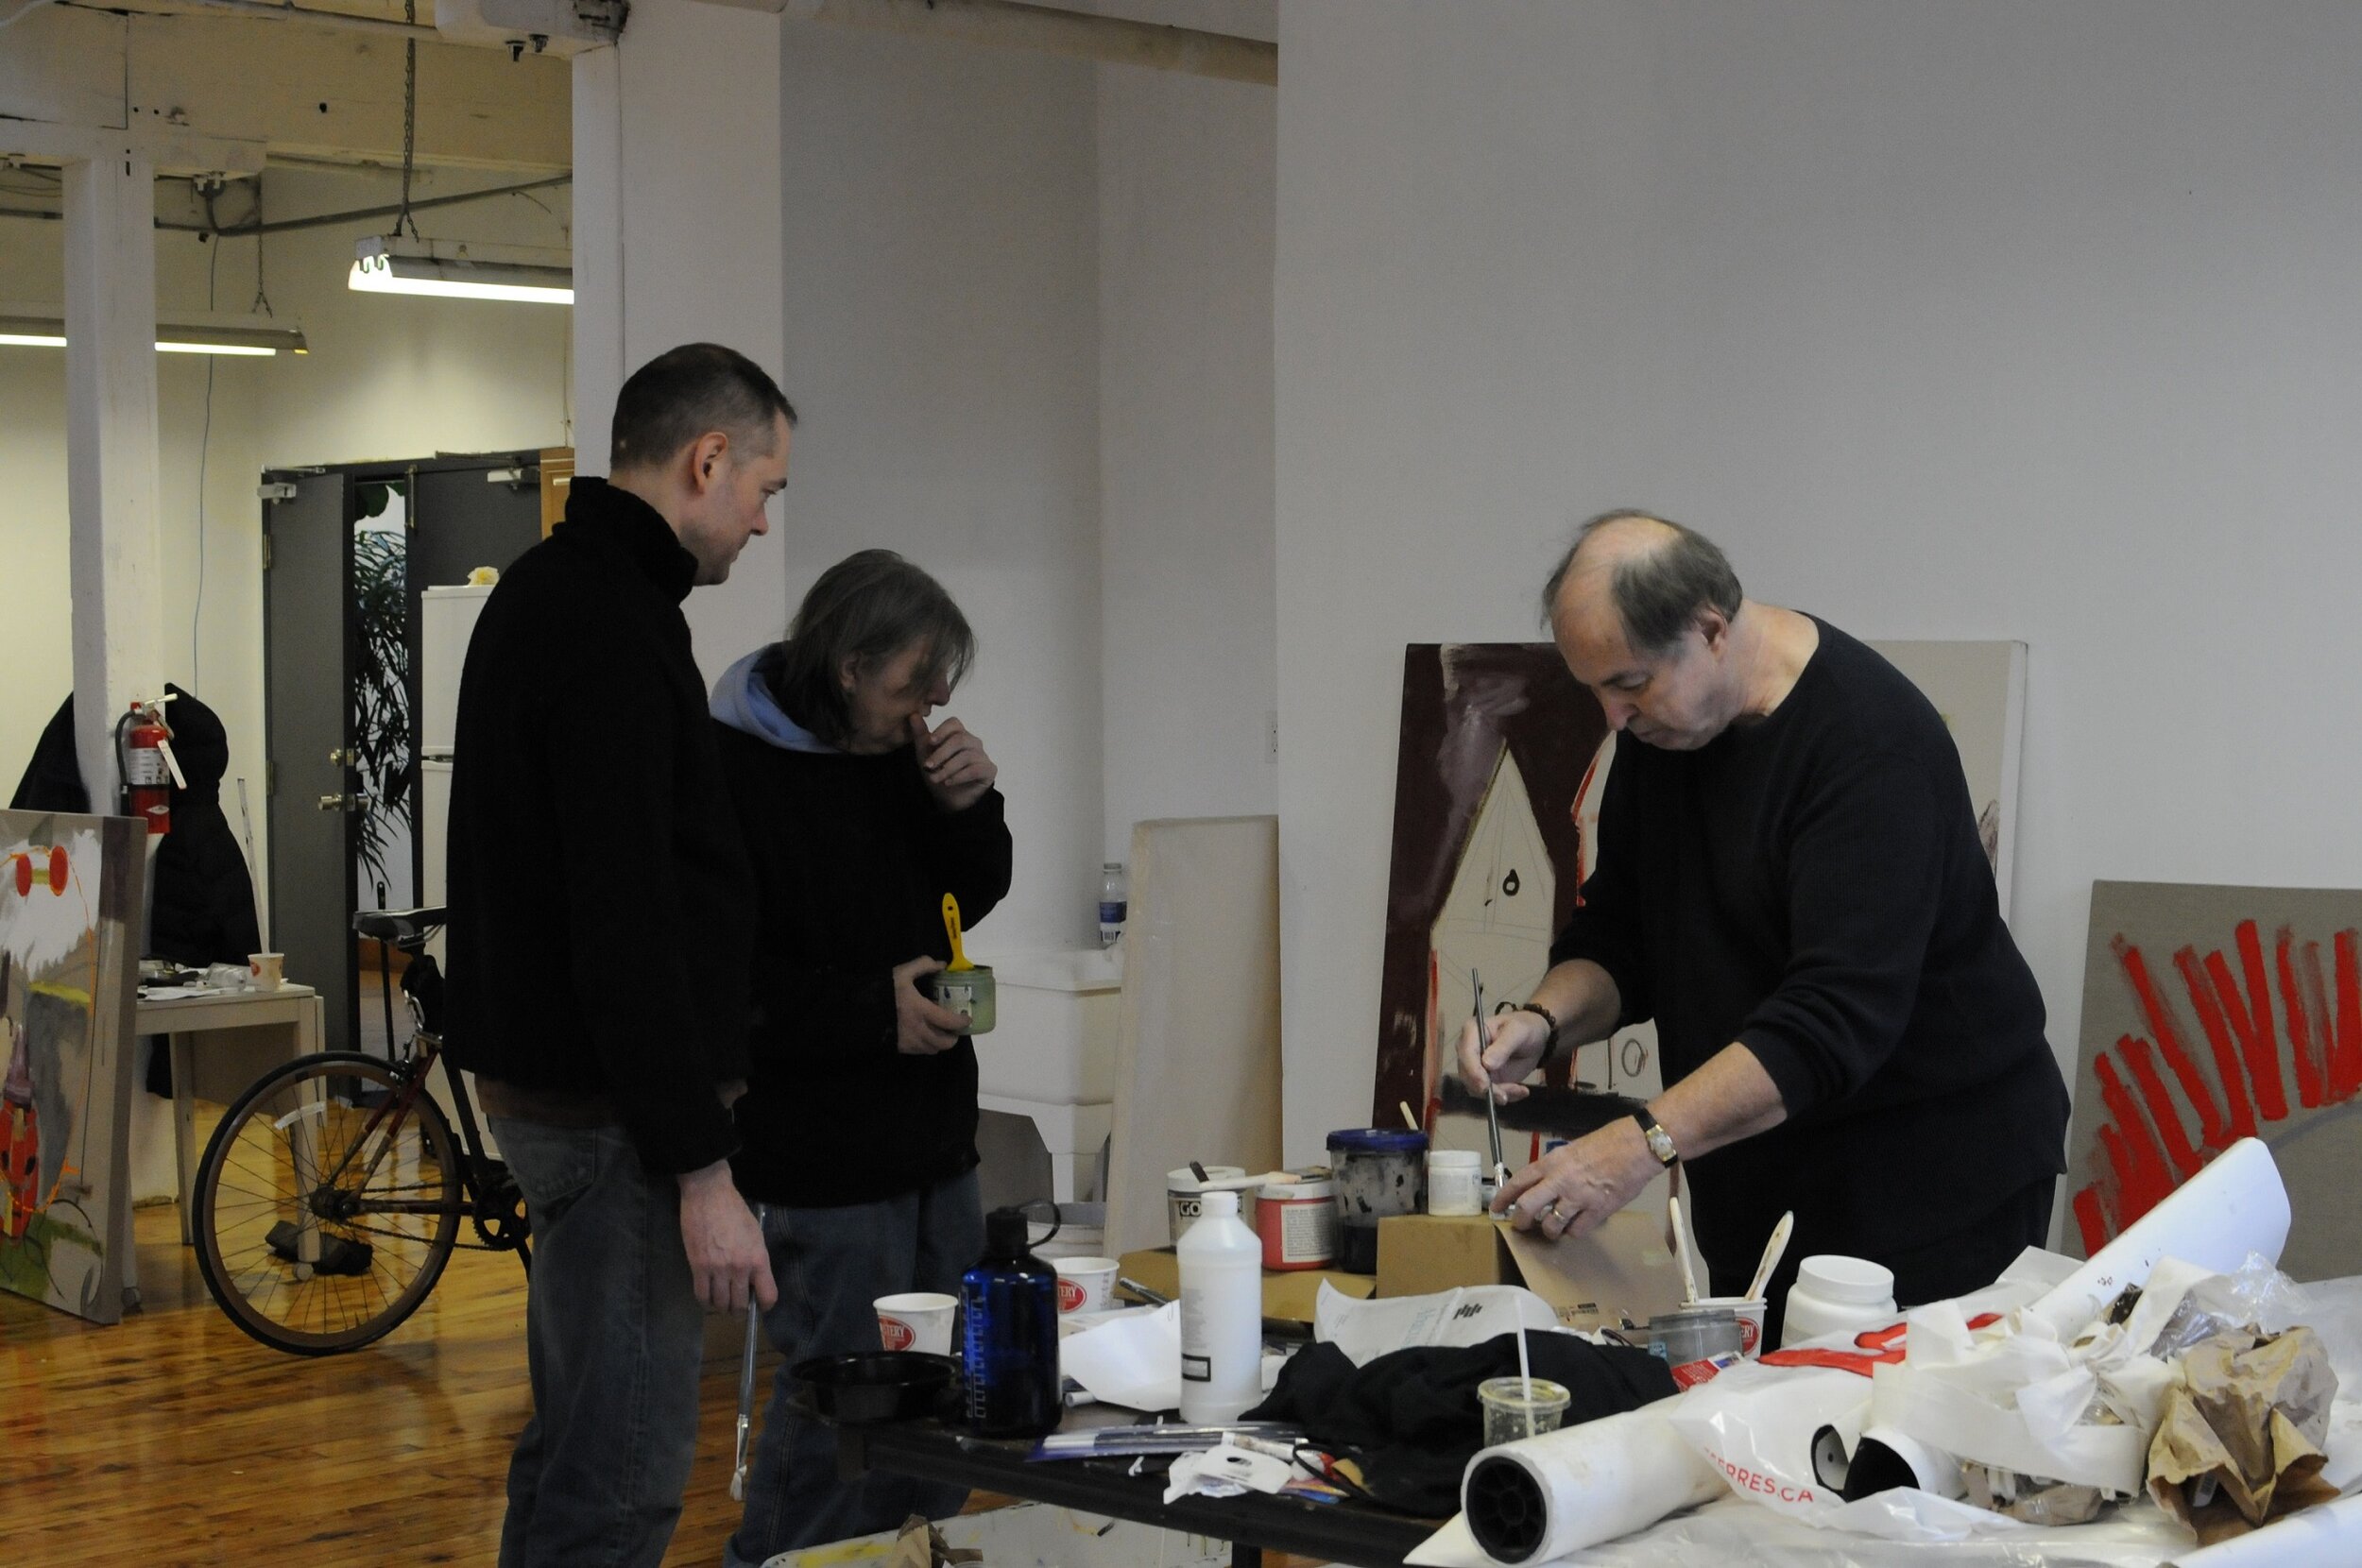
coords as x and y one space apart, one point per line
1225 1470
922 1545
2242 1435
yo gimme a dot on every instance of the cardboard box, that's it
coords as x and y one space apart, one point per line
1289 1295
1622 1269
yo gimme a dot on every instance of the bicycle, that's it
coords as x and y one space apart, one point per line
330 1197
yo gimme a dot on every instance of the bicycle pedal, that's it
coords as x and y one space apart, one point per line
336 1254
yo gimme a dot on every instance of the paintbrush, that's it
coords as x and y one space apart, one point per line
1492 1100
745 1446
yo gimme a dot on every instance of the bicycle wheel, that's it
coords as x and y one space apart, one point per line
322 1217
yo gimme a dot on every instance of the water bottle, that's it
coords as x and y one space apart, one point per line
1221 1314
1010 1299
1115 902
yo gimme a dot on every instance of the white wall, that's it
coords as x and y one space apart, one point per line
1187 209
942 291
677 165
386 376
2011 320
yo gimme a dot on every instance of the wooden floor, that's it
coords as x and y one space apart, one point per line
172 1437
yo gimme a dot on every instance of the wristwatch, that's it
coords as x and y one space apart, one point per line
1660 1141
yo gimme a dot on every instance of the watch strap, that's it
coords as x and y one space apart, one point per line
1660 1141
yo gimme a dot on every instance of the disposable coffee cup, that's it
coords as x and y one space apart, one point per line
1749 1316
916 1320
1515 1410
1085 1283
267 971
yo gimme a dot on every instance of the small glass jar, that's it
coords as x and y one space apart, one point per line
1379 1172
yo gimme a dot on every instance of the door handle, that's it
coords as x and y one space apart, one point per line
344 803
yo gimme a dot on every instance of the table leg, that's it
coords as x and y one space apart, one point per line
184 1131
1246 1555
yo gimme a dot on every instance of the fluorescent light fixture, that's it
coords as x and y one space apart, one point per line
44 327
460 271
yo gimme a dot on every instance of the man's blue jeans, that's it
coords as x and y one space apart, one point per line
614 1336
831 1266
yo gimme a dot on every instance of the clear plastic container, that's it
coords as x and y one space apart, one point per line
1516 1409
1379 1172
1834 1293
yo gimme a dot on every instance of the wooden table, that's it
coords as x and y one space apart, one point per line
297 1009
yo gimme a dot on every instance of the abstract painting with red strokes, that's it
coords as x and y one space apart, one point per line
2210 1015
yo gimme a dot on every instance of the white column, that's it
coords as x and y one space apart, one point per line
112 494
598 193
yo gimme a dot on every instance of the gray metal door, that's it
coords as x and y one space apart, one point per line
307 565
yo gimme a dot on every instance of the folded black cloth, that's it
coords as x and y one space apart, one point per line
1411 1419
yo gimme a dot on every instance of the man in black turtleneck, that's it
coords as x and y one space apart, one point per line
600 912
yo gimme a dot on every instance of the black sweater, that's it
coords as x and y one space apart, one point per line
1812 886
852 859
599 899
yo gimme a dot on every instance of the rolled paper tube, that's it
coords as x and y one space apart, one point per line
1539 1498
1886 1458
2234 1206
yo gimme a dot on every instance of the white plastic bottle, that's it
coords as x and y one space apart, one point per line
1221 1314
1833 1293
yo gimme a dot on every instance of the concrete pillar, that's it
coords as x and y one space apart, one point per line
112 451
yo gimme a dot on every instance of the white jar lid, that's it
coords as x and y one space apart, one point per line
1299 1192
1855 1281
1453 1159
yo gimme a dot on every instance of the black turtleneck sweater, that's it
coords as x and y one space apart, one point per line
1812 886
600 906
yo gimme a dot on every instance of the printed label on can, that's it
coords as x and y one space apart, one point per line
1308 1231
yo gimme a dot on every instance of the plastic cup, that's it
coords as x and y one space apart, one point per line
1750 1315
916 1320
1515 1410
267 971
1085 1283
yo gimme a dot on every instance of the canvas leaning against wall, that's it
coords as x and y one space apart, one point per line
69 909
2210 1015
1502 757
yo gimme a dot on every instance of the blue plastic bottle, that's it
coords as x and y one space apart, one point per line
1010 1299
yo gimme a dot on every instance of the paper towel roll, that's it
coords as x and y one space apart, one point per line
2329 1536
2234 1206
1539 1498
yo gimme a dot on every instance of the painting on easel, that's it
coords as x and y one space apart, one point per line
69 913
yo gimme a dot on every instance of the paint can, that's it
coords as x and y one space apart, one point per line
1378 1171
1297 1221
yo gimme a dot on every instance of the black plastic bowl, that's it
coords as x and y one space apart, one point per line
877 1384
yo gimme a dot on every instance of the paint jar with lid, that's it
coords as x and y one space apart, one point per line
1833 1294
1297 1221
1454 1182
1377 1173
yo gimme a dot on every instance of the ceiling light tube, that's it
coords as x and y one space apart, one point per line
44 327
379 267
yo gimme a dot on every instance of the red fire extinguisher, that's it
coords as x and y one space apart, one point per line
144 751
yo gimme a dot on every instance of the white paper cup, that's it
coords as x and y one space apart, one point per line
267 971
1750 1315
1085 1283
917 1319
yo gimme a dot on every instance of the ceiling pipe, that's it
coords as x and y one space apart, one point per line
1010 24
290 11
